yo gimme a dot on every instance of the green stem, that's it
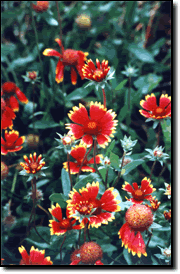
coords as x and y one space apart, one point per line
12 71
150 235
106 177
152 169
95 165
129 104
61 247
69 172
79 238
5 73
119 173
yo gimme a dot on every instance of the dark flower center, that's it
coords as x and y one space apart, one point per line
138 194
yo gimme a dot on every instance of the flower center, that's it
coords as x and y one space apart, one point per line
34 165
138 192
65 223
70 57
84 207
92 125
98 73
159 110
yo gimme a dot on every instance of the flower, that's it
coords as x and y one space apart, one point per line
12 142
41 6
78 153
69 57
89 253
167 215
139 193
4 170
154 204
63 225
127 144
95 74
7 115
31 76
100 124
38 195
138 218
130 71
157 154
32 140
33 165
9 89
165 254
152 110
84 206
83 21
168 190
36 257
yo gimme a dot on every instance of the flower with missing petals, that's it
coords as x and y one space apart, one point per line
152 110
86 208
9 89
33 164
62 225
69 57
36 257
12 142
99 124
138 219
139 194
78 152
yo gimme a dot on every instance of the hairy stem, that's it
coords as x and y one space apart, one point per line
104 97
106 177
150 235
69 172
129 104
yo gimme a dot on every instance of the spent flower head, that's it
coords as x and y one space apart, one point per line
31 76
157 155
128 144
130 71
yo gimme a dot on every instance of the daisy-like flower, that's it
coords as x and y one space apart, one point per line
85 206
7 115
152 110
63 224
139 194
12 142
33 164
69 57
78 152
138 219
41 6
36 257
9 89
99 123
96 74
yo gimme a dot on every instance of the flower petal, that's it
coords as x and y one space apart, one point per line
59 72
97 111
79 115
12 103
24 254
51 52
74 168
145 113
164 100
21 96
87 139
11 136
135 186
78 152
73 76
36 256
102 140
76 130
98 160
150 103
20 141
56 212
128 187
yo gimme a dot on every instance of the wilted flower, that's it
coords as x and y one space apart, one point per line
38 195
12 142
9 89
89 253
36 257
83 21
157 154
9 221
127 144
138 219
99 124
31 76
41 6
69 57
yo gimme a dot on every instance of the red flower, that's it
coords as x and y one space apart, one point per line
7 115
36 257
63 225
34 164
41 6
88 253
86 207
100 124
13 142
152 110
167 215
138 218
78 154
9 89
96 74
69 57
154 204
139 193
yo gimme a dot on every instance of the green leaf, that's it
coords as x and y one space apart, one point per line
7 49
50 20
77 94
141 53
111 174
114 159
148 82
123 113
42 182
89 179
155 226
110 147
127 256
58 198
43 124
108 248
66 183
129 167
37 244
121 85
130 13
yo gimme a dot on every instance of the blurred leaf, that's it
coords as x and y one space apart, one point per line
43 124
127 256
66 183
49 19
166 128
7 49
37 244
106 7
148 82
130 13
58 198
77 94
110 147
155 48
114 159
42 182
123 113
129 167
121 85
111 174
108 248
141 53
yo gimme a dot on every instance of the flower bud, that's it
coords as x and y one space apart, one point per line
83 21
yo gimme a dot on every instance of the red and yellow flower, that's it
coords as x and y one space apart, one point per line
86 208
36 257
12 142
139 194
69 57
154 204
152 110
7 115
63 224
33 164
78 154
41 6
138 219
96 74
99 123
